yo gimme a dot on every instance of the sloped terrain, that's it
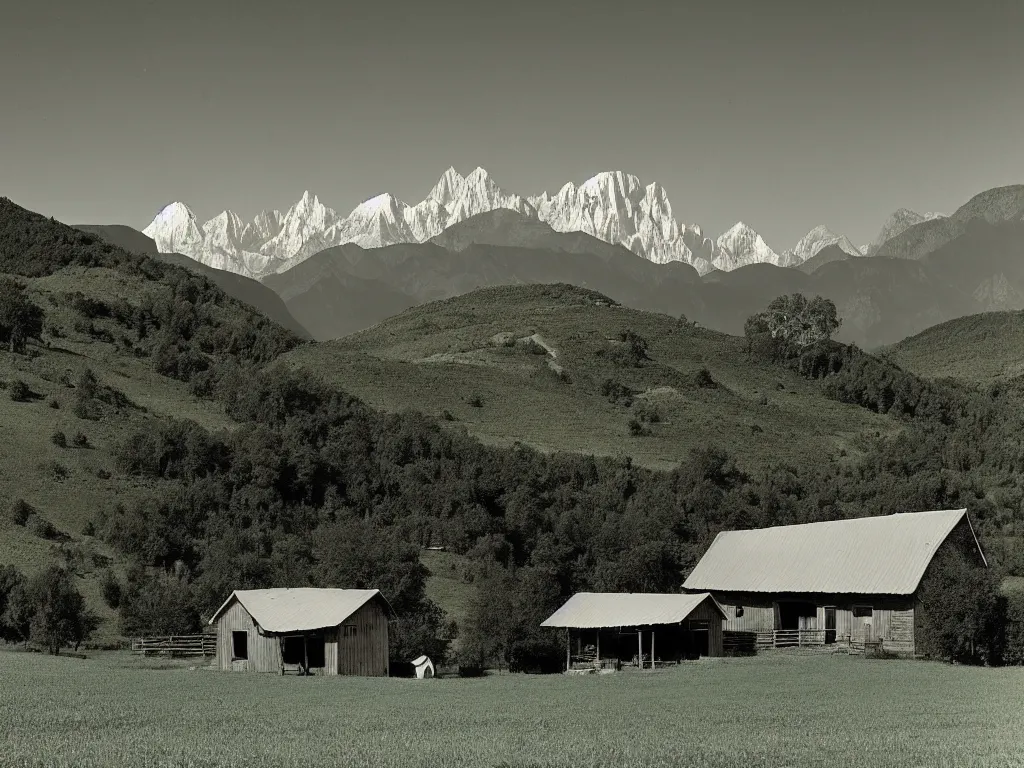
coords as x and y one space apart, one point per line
530 364
979 349
245 289
121 318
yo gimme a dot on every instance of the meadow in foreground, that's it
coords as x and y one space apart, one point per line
765 711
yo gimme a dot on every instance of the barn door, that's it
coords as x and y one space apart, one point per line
830 624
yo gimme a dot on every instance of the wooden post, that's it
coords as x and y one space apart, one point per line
652 649
640 648
599 646
305 656
568 649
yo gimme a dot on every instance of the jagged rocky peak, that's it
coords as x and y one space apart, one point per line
819 238
614 206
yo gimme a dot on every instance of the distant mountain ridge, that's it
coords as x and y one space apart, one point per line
347 288
613 207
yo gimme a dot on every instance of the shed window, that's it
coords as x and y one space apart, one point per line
862 611
239 645
348 630
739 611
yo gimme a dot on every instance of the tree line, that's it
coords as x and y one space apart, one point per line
315 488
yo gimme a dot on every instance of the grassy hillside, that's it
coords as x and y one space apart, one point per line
243 288
981 348
122 317
528 364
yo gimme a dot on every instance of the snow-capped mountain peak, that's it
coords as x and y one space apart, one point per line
817 239
175 229
741 245
448 188
614 206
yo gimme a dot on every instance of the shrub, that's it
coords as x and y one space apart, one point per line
446 415
617 392
19 391
637 429
57 470
80 440
53 402
59 439
20 511
476 401
646 412
89 529
42 527
111 589
703 379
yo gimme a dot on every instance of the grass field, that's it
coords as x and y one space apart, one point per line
766 711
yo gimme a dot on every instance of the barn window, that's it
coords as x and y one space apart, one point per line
348 630
739 611
239 645
862 611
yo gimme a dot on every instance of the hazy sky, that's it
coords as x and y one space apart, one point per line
783 114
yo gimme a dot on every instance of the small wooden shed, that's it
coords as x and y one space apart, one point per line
311 631
638 628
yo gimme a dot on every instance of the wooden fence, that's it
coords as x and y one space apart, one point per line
176 645
791 638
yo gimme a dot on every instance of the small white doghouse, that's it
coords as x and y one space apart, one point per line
424 667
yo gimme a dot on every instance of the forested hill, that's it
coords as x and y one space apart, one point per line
278 478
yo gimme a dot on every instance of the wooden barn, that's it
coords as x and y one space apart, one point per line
611 628
847 582
311 631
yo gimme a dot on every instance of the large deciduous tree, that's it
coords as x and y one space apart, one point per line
796 319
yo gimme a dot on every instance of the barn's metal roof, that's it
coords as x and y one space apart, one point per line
301 609
884 555
590 610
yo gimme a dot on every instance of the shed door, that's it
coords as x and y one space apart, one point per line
830 624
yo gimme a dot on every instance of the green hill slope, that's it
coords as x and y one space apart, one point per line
980 348
530 364
153 335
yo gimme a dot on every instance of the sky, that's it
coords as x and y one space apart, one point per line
783 114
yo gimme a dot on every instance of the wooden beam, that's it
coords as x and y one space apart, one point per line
568 649
598 646
640 648
652 648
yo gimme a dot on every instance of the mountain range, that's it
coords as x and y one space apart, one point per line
613 207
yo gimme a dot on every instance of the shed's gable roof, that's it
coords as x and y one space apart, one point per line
626 609
884 555
301 609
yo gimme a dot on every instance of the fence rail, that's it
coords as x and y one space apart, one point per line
176 645
786 638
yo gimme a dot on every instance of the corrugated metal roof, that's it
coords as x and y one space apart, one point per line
884 555
301 609
625 609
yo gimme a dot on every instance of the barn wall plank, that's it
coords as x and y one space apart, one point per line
264 650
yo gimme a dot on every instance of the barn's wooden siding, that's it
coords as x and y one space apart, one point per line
366 652
264 650
891 620
706 611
